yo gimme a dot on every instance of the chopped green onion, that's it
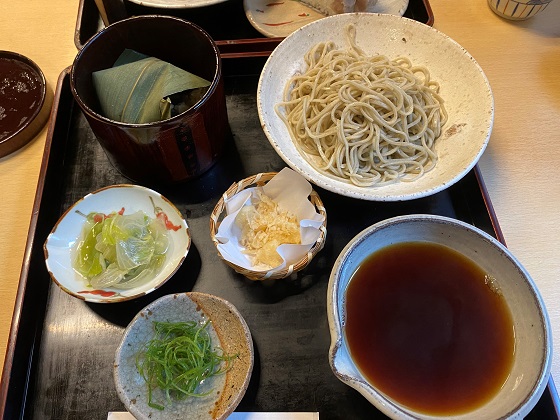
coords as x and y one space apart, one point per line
178 359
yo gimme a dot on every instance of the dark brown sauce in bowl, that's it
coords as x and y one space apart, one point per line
425 328
20 95
24 101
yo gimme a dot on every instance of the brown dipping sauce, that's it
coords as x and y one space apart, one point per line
20 95
425 329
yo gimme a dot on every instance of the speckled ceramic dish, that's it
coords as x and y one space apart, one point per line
281 18
528 375
228 331
60 246
464 88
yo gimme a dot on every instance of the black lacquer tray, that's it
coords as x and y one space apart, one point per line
225 22
60 354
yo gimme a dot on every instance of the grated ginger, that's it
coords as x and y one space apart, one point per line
264 226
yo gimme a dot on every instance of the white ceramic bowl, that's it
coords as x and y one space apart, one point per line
228 331
533 343
464 87
58 247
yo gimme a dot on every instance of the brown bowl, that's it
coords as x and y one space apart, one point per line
25 101
169 151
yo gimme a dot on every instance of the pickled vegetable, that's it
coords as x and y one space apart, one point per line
121 251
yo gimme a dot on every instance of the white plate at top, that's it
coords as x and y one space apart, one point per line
463 86
176 4
279 18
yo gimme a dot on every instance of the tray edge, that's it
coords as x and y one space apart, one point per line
235 44
30 242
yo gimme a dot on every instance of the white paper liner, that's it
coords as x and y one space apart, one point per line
290 191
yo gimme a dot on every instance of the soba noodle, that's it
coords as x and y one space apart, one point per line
365 119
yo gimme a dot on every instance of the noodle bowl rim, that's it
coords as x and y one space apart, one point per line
287 58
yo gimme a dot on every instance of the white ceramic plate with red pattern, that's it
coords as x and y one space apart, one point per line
280 18
151 240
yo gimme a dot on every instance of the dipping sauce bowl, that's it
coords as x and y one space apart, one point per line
453 314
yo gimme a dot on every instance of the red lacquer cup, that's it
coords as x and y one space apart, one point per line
163 152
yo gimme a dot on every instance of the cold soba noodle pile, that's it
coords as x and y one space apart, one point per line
365 119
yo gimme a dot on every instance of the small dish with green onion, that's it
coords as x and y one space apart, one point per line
186 355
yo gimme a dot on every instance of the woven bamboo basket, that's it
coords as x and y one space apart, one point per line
259 180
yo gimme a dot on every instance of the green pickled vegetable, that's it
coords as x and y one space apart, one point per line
88 263
178 359
121 251
141 89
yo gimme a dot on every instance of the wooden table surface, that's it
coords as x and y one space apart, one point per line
521 166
